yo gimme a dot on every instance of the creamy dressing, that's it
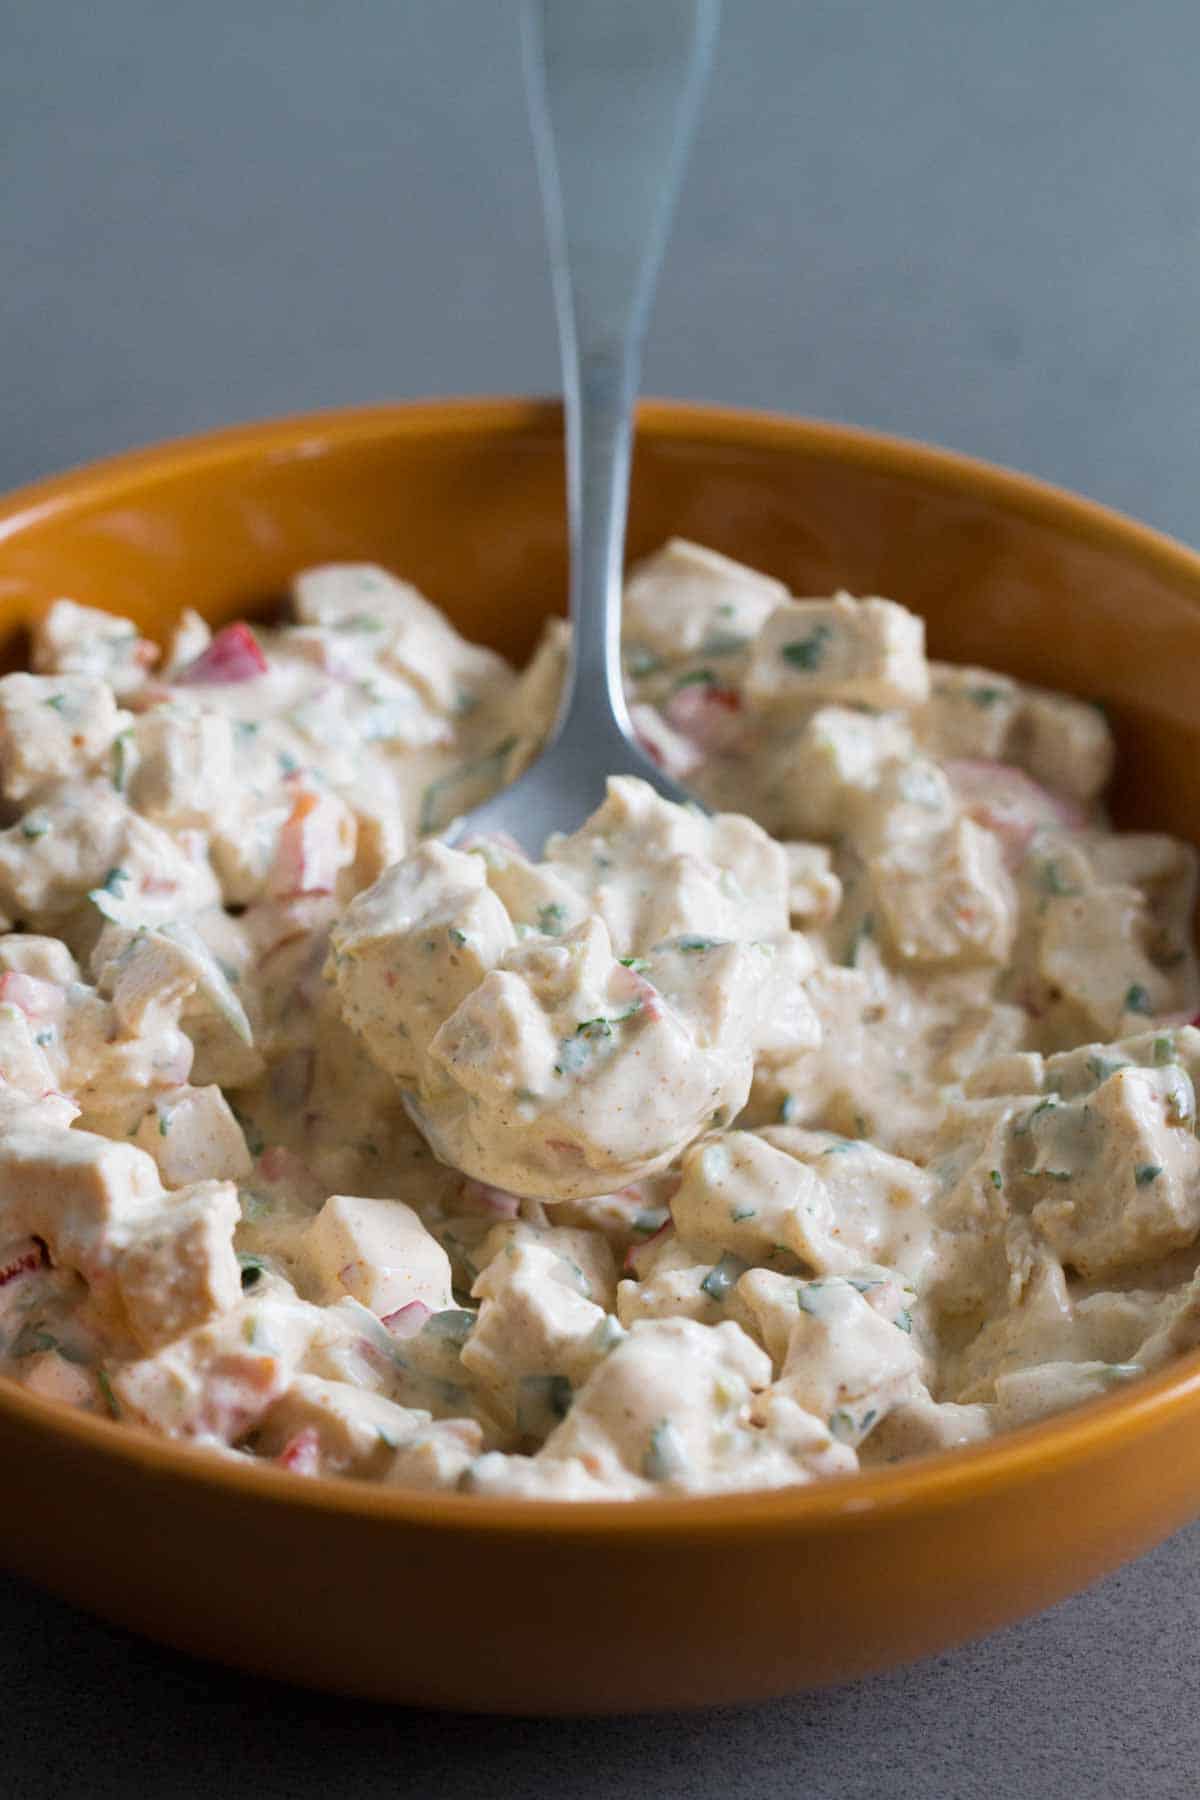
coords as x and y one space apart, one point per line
853 1120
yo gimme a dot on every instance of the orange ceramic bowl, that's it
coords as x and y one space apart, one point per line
506 1606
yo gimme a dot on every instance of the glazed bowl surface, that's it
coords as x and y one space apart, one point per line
495 1605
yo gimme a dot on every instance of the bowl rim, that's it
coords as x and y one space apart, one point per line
932 1482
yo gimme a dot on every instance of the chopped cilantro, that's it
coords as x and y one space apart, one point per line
1051 880
650 1220
456 935
1101 1067
57 701
114 882
986 696
665 1456
722 1276
638 964
807 653
903 1321
1164 1051
35 824
1137 1000
695 678
842 1426
120 760
1042 1106
996 1179
690 945
551 918
1145 1173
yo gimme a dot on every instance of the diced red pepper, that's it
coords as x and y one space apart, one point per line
706 714
302 1452
494 1202
1009 802
233 656
408 1320
314 845
26 1259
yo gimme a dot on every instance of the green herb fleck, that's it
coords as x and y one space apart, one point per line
695 678
903 1321
1101 1067
638 964
691 945
788 1108
650 1220
120 760
842 1426
1051 880
986 696
807 653
665 1457
1137 1000
739 1214
456 935
114 882
57 701
722 1276
1145 1173
551 918
1042 1106
35 824
996 1179
1164 1051
106 1390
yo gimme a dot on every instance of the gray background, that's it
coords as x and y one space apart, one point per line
964 222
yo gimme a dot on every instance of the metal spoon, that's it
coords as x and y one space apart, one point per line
614 90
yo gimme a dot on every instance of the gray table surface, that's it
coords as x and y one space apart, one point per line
973 224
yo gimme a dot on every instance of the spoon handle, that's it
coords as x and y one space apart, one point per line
614 91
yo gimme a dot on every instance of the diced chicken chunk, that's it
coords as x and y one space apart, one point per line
866 652
379 1252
